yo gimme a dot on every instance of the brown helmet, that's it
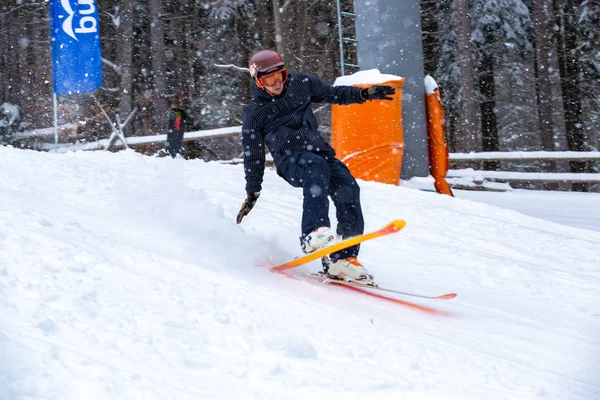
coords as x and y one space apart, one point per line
263 62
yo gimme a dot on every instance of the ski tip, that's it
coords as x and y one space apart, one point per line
396 225
447 296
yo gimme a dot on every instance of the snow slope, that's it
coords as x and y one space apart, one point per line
581 210
126 277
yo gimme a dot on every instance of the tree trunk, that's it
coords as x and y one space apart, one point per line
467 138
569 69
242 31
11 31
543 84
263 20
301 36
431 43
126 48
489 123
4 67
279 34
157 42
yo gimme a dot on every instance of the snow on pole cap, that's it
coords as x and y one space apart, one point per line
430 85
366 77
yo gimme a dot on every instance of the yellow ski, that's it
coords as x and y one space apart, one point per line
390 228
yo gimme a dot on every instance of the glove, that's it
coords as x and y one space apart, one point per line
377 93
248 205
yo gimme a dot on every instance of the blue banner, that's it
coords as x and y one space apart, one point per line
75 36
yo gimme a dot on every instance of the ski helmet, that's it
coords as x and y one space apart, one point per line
263 62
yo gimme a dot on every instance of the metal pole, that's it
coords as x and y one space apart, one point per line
55 101
341 35
394 45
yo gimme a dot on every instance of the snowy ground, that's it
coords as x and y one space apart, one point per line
126 277
579 210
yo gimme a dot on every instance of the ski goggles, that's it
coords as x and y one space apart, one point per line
279 76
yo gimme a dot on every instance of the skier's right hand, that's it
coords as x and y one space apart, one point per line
247 205
377 93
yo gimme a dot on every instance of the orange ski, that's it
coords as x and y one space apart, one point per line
390 228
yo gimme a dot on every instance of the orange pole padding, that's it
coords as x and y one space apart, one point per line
368 137
439 161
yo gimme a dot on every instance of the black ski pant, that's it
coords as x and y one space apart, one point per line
321 177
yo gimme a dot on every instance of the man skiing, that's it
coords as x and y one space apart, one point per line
280 116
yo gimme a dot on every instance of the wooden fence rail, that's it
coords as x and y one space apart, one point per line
527 156
481 176
476 175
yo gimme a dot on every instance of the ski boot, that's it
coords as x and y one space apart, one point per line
317 239
347 269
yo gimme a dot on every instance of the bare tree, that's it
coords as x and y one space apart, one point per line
125 42
278 21
157 42
467 137
540 20
264 9
489 121
566 13
431 36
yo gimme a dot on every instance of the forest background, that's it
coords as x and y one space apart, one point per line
514 74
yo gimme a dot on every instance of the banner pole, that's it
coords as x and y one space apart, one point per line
55 101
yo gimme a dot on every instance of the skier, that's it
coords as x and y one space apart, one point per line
280 116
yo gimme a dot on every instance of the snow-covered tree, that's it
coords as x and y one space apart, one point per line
10 119
501 32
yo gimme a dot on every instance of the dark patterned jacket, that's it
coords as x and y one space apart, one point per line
286 123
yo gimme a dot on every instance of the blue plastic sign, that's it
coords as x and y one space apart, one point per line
76 55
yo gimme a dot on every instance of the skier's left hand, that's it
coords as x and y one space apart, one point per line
247 206
377 93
